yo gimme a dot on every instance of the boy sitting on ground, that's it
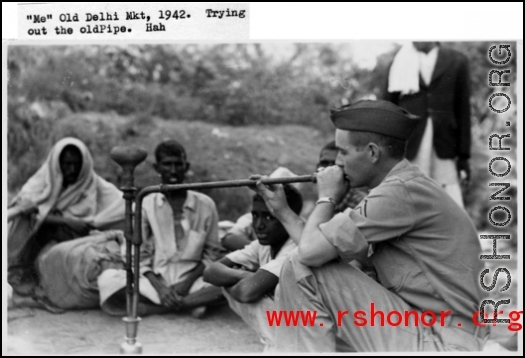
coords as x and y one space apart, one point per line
241 233
249 276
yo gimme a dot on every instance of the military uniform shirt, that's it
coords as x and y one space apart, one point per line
426 246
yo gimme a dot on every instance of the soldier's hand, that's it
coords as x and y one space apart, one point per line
331 182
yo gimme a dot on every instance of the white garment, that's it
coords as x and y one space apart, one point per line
404 72
427 62
443 171
254 315
408 64
404 77
160 252
255 256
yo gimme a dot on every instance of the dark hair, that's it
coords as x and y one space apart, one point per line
293 198
396 147
329 146
323 161
170 147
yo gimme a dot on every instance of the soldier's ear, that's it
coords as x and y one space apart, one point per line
374 152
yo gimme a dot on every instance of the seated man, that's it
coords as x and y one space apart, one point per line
62 201
426 257
250 276
180 234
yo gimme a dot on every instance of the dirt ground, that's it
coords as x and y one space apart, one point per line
220 331
92 332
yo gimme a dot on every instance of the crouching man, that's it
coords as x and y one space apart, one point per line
426 250
249 277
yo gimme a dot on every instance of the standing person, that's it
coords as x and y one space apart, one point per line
432 82
249 276
69 199
426 256
180 232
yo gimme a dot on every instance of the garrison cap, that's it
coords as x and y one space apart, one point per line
379 116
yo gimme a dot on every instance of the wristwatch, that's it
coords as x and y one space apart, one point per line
325 199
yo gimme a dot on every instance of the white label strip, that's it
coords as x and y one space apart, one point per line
134 21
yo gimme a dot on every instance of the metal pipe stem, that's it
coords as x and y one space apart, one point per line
137 237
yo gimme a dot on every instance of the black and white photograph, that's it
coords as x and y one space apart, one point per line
263 196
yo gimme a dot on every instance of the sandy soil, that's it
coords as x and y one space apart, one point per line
220 331
92 332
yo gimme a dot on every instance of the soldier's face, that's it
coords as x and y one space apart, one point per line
355 163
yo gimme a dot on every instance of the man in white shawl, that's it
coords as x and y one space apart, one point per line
69 200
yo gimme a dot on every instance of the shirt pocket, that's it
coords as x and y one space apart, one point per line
194 246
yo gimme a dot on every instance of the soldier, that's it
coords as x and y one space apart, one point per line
426 255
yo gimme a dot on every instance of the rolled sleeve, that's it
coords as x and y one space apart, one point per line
385 214
345 236
275 266
247 257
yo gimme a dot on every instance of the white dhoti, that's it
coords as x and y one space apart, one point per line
112 280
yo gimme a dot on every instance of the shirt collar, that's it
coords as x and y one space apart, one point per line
402 165
431 54
190 203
